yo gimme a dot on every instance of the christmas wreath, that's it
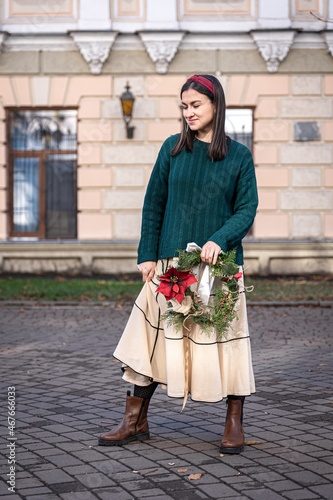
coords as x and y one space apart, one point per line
215 309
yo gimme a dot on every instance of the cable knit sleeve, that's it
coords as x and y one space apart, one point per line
154 205
244 207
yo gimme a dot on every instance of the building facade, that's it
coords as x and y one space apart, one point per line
72 183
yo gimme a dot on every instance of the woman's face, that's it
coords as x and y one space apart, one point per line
198 111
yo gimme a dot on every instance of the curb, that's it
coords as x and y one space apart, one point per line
34 303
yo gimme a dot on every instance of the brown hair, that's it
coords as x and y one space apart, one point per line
218 147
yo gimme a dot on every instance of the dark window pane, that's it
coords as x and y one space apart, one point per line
60 173
26 194
43 130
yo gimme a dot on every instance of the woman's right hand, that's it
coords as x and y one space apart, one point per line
147 269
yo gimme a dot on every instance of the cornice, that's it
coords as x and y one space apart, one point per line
162 46
328 37
3 36
30 43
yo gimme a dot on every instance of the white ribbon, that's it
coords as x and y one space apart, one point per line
184 307
206 282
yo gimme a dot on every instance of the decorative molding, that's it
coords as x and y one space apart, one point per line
31 43
213 8
94 47
273 46
311 41
162 47
218 41
3 36
192 41
328 36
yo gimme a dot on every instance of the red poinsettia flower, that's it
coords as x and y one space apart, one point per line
174 284
238 276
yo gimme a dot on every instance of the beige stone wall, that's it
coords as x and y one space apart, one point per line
295 179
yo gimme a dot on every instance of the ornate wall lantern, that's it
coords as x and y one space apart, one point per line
127 100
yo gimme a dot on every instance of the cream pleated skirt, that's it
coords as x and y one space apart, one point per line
150 350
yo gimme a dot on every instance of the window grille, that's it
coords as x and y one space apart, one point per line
42 173
239 125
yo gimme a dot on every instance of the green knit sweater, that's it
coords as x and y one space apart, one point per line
190 198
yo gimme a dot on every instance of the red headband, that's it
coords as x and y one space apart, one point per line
204 81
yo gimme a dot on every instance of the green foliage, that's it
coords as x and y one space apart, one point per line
225 265
71 289
220 312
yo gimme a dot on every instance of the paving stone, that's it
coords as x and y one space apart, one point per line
95 480
219 470
187 495
53 476
218 490
108 493
49 496
306 478
302 494
82 495
64 460
262 494
319 467
284 485
324 490
43 490
291 413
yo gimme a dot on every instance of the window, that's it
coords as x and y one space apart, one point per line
42 173
239 125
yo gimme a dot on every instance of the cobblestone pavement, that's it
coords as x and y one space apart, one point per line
67 384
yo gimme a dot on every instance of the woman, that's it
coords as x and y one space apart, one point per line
203 190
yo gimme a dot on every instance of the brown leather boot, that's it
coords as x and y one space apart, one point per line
133 427
233 437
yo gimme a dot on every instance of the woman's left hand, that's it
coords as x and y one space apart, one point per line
210 252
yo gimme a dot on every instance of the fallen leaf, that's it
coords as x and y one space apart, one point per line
253 442
182 470
21 310
195 476
116 361
148 472
135 471
238 474
111 423
171 463
221 455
